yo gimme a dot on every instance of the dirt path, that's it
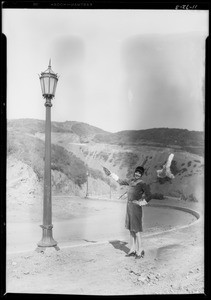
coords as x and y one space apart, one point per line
173 264
104 223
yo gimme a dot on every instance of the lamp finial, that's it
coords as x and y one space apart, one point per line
49 63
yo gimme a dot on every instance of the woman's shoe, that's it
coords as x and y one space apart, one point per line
141 255
131 254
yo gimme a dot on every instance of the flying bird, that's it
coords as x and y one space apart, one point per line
165 171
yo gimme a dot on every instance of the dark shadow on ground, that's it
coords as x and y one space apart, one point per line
88 241
119 245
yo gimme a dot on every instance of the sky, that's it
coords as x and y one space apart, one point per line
118 69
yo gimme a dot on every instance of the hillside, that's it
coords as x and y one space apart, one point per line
32 126
183 139
78 148
190 141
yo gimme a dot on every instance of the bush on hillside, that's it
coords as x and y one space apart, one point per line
174 169
183 197
189 163
175 194
183 170
67 163
164 180
192 198
103 155
158 196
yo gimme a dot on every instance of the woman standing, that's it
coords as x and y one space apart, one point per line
138 195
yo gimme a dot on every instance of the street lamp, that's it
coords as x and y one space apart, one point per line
48 80
87 184
110 190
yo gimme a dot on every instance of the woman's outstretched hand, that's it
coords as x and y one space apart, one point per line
107 172
140 203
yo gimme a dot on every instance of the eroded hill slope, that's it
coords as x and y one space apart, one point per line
79 150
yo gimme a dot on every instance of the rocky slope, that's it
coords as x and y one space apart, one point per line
79 151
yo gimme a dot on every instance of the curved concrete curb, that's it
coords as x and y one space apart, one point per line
184 209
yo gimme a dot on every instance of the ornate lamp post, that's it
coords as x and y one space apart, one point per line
87 184
110 190
48 80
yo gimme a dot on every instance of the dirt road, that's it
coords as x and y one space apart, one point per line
103 223
173 264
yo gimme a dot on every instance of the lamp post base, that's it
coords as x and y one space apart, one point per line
41 249
47 239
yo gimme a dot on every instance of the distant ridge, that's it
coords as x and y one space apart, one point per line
190 141
35 125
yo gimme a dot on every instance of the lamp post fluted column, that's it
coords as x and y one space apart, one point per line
48 83
87 184
110 190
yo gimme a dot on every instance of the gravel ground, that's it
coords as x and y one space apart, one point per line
173 264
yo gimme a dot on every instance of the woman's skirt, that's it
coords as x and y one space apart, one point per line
133 221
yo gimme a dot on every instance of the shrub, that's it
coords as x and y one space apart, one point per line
104 156
183 170
80 179
189 163
192 198
158 196
67 163
183 197
174 194
174 168
164 180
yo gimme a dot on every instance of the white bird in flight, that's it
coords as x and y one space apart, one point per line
165 171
